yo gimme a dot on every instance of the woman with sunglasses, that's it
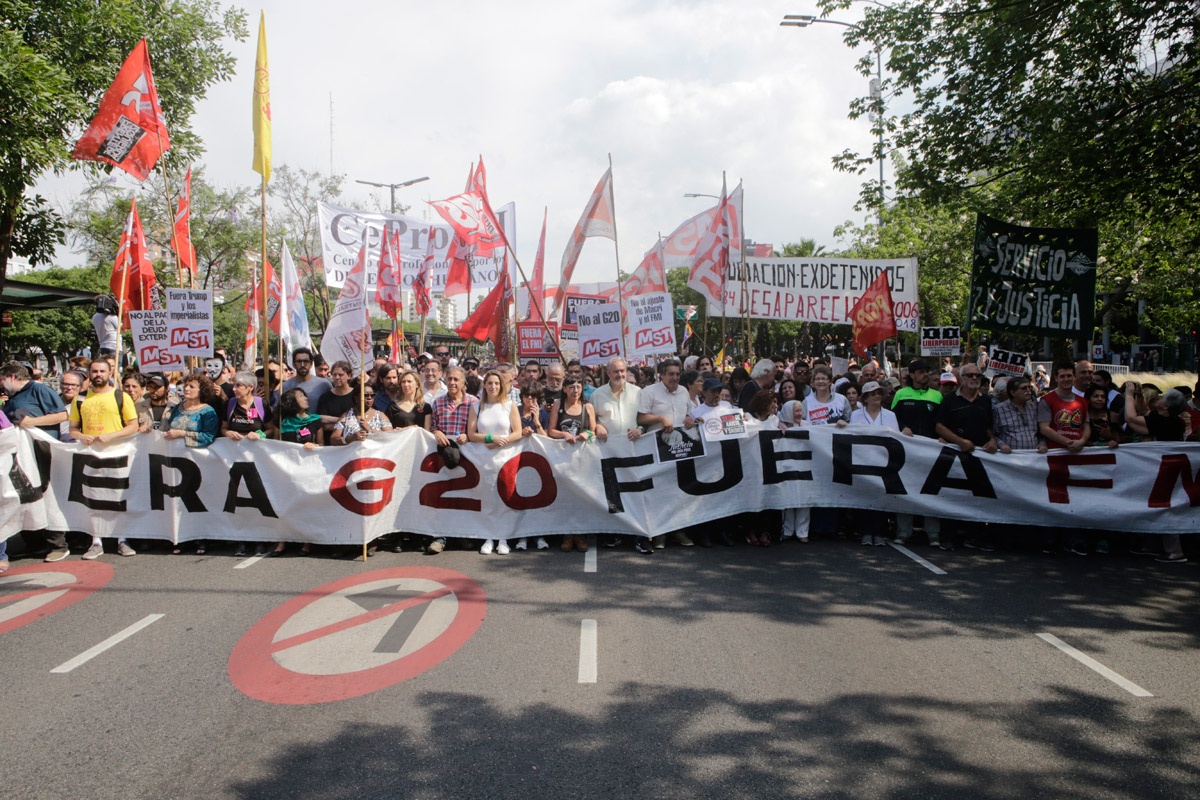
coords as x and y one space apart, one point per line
573 421
355 427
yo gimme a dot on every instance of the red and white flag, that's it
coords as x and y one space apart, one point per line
129 130
421 296
537 284
183 227
472 219
478 180
348 334
387 287
598 219
680 247
649 276
133 281
711 263
487 321
251 307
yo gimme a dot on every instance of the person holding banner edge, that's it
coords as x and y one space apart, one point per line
494 422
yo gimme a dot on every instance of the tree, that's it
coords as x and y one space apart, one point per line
58 331
1081 109
58 57
298 192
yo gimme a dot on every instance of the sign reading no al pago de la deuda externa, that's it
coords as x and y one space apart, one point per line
1039 281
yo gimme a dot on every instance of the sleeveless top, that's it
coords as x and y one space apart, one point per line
407 419
573 424
494 418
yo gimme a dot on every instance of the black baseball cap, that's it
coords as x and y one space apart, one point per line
917 364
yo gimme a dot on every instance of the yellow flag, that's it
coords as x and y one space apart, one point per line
262 105
721 359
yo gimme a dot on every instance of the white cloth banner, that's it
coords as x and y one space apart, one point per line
342 232
148 486
599 333
817 289
651 319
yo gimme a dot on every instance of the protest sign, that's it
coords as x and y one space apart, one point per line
816 289
678 445
944 341
151 337
1007 363
599 333
534 343
1036 281
190 322
651 324
730 424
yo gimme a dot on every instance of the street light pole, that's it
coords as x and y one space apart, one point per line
393 187
803 21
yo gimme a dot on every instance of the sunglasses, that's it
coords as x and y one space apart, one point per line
302 361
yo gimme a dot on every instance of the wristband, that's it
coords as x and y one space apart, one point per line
488 438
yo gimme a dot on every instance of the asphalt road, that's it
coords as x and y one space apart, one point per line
819 670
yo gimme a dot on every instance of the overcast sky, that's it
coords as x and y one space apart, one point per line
675 91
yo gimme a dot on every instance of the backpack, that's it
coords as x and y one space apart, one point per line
258 405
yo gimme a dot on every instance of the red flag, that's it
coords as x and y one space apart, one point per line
128 128
597 220
458 274
183 227
537 284
472 219
478 180
133 270
648 277
387 289
421 285
487 320
274 296
871 317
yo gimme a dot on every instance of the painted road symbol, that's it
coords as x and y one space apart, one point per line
357 635
30 593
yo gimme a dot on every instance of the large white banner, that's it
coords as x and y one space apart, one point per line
342 231
147 486
816 289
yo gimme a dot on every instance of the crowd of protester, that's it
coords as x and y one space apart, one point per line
315 405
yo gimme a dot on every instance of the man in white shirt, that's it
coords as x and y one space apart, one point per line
666 403
433 387
616 404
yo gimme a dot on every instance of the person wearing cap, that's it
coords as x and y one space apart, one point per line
916 413
947 384
158 400
873 524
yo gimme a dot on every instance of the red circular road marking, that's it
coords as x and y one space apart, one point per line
89 576
255 672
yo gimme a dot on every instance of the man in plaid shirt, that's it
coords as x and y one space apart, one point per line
1015 420
451 410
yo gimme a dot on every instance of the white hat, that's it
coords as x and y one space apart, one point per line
948 377
869 386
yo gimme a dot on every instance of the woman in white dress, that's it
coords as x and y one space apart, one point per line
873 524
494 422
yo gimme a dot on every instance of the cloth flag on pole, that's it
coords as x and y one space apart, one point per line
274 298
711 264
871 317
487 320
597 220
421 297
649 276
472 219
183 227
687 334
250 347
387 287
348 334
393 344
133 269
293 312
129 130
262 104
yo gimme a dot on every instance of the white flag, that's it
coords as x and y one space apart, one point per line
293 313
597 220
348 334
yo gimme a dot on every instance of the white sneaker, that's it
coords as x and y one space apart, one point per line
502 547
487 548
94 552
522 544
123 549
542 544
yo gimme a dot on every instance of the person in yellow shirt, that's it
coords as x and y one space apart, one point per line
105 415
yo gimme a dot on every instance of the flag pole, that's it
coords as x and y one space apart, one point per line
124 283
617 254
266 332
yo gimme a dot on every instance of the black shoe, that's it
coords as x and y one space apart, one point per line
613 541
240 551
644 547
724 539
704 540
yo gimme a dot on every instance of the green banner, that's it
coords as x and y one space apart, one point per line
1039 281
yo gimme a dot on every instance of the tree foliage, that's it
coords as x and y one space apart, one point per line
58 57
